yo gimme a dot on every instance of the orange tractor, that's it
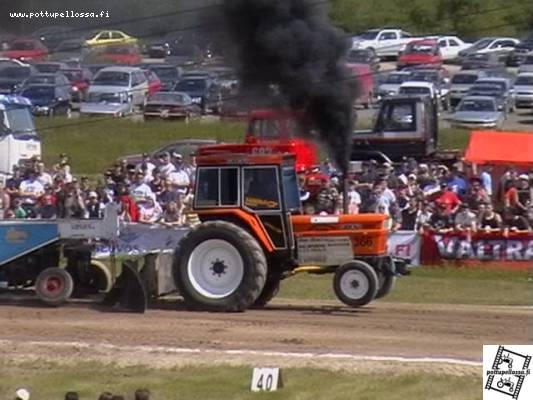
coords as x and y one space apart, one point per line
253 234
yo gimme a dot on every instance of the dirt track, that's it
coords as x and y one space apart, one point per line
383 329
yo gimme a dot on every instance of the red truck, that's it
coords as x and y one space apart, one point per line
424 52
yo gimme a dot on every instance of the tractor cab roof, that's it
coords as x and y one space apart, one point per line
214 158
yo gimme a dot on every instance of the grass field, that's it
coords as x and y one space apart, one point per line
432 285
50 382
93 144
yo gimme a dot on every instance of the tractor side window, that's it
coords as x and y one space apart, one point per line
229 183
207 188
290 188
260 188
266 129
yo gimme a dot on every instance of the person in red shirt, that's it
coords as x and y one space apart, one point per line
512 201
449 200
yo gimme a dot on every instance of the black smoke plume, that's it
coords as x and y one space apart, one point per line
292 45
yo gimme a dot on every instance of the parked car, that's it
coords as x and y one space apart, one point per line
494 91
154 83
440 78
11 62
95 68
384 42
71 49
203 92
120 54
170 105
507 86
450 46
500 45
184 147
126 80
11 77
27 50
461 82
104 38
47 99
474 112
424 52
390 85
117 104
494 61
184 55
419 89
524 90
527 64
168 74
57 79
363 56
80 79
520 52
49 67
52 36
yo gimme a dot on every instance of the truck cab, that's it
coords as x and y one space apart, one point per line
405 126
19 141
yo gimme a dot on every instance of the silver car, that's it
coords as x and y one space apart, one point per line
475 112
527 64
117 104
461 84
390 85
523 87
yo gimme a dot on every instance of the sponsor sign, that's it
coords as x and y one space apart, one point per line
324 250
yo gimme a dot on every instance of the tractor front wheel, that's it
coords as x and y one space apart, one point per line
220 267
54 286
355 283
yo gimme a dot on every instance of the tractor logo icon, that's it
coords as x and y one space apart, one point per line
510 369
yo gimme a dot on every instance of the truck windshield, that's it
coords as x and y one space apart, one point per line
290 189
369 35
19 122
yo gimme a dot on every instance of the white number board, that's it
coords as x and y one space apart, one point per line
266 380
324 250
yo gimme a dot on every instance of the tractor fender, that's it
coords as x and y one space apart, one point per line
104 269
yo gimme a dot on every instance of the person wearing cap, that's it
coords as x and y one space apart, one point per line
512 200
180 180
146 165
30 190
524 195
177 160
448 199
165 166
22 394
457 182
94 209
140 189
465 220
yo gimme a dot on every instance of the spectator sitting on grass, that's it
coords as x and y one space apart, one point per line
465 220
72 396
490 221
142 394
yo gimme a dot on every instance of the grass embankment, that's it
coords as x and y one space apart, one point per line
190 383
432 285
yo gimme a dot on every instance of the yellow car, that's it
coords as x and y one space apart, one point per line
110 37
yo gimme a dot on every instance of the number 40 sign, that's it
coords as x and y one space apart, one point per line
266 380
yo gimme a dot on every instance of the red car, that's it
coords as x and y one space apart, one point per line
124 55
154 83
80 79
421 52
27 50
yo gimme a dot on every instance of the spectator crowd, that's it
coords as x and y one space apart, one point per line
416 196
419 196
140 394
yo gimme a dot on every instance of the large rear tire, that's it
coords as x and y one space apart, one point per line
270 290
355 283
220 267
54 286
386 284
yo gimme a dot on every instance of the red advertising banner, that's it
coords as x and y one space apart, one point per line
485 249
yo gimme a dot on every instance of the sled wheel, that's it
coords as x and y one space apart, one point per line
54 286
355 283
220 267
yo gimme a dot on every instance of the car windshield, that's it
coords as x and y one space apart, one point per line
166 73
22 46
39 79
524 80
15 72
477 105
169 98
39 91
189 85
481 44
462 79
415 90
20 121
420 48
369 35
48 68
424 77
112 78
486 91
112 98
396 78
499 84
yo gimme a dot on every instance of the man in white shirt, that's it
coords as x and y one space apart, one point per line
180 180
43 177
140 190
166 167
465 220
30 189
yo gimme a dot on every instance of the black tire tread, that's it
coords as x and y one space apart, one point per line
373 282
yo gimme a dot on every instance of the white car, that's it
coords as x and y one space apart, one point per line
419 89
491 45
523 87
527 64
384 42
450 46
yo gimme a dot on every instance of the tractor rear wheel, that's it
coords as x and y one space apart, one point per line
219 266
270 290
54 286
355 283
386 284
